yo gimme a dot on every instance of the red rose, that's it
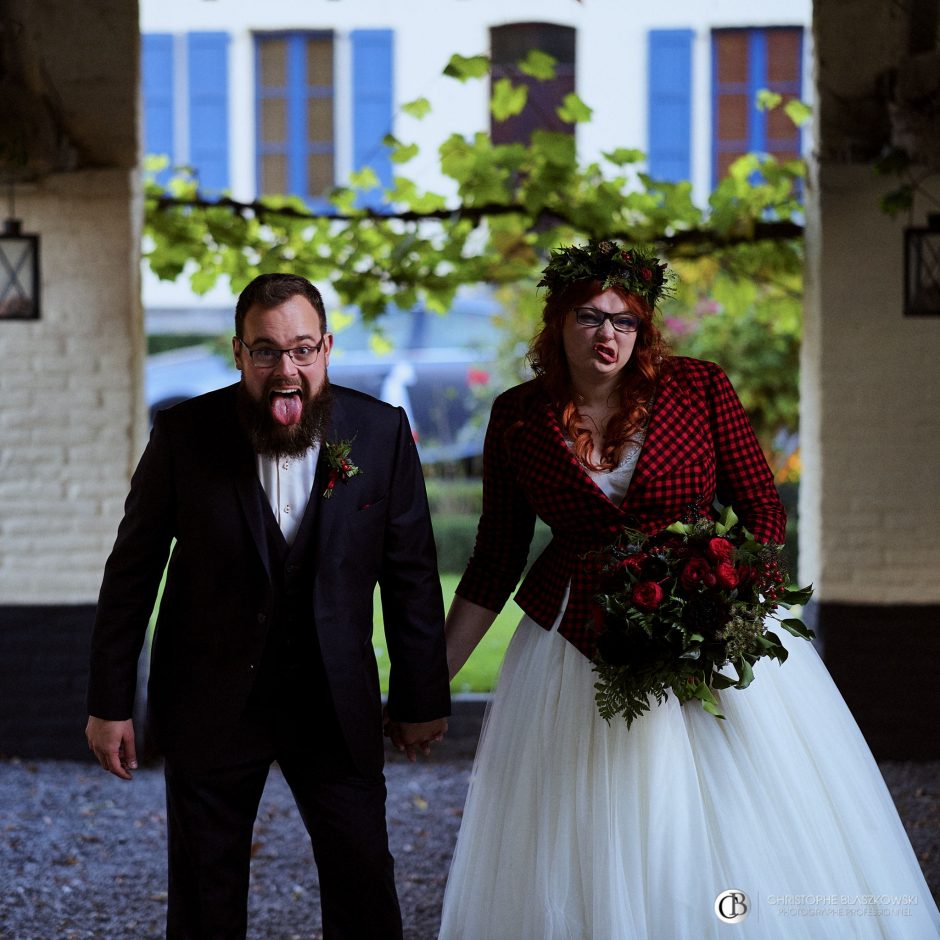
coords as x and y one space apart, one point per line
726 575
647 595
646 274
694 573
720 550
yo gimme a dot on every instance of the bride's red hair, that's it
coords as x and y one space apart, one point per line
639 377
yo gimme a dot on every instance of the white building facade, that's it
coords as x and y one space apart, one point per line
281 96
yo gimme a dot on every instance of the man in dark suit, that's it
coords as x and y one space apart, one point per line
285 500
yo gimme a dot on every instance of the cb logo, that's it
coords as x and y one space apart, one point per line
732 906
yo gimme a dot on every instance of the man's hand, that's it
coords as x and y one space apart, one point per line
412 736
113 744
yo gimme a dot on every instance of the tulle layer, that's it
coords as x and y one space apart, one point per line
579 830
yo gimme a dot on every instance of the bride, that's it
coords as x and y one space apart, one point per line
776 819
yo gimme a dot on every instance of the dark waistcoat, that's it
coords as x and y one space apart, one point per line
292 680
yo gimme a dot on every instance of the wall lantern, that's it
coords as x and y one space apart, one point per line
922 269
19 273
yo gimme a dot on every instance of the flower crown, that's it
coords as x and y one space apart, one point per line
636 271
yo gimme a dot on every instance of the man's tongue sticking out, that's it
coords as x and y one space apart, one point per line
286 407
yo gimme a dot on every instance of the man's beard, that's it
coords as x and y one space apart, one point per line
271 439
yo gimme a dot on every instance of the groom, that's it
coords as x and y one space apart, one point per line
285 500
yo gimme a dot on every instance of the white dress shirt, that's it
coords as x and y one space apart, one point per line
288 482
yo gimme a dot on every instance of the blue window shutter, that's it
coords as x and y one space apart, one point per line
669 105
207 55
372 103
157 85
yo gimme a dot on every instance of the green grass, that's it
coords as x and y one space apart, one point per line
479 673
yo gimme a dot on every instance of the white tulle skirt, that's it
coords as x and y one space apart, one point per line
581 830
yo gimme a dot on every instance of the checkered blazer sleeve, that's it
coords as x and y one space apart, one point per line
507 522
744 480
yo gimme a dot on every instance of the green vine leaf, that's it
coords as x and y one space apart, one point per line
419 108
767 100
574 110
464 68
538 64
799 112
507 99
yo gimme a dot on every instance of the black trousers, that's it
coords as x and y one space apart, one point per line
211 813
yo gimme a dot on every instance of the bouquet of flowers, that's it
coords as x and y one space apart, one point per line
678 607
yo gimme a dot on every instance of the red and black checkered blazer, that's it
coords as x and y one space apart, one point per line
699 446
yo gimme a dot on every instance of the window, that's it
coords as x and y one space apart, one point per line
744 61
294 113
508 46
185 98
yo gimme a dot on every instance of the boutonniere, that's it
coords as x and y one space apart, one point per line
341 467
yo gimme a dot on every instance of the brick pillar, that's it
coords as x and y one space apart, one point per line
71 409
870 423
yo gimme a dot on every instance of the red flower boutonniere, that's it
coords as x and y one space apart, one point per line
341 467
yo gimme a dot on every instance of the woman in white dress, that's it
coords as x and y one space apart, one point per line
776 820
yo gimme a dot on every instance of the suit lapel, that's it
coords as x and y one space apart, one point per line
241 458
250 495
328 511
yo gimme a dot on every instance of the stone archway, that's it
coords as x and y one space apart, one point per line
72 420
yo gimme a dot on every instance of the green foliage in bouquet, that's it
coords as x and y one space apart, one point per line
676 608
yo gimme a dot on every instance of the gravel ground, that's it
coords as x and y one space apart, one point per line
82 855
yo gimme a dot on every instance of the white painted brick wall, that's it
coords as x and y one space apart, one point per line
870 427
71 410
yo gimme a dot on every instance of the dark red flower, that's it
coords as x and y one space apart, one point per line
647 595
720 550
694 573
646 274
726 575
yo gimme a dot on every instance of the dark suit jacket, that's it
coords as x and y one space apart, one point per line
197 483
699 446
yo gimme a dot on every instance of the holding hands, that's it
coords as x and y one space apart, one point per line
412 736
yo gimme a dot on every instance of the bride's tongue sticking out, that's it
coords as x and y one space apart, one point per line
286 407
604 353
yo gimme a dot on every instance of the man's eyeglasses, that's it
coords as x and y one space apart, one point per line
267 357
621 322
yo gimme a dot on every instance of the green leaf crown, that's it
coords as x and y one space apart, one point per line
636 271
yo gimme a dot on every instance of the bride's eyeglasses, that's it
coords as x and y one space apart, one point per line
621 322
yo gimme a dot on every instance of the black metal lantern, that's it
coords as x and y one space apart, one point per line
19 273
922 269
